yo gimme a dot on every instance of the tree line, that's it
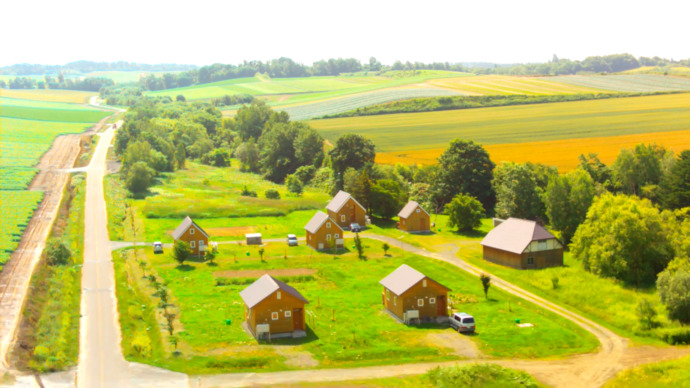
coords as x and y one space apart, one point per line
88 67
89 84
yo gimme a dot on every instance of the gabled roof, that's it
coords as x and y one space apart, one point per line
317 222
406 212
179 231
402 279
339 201
263 287
515 234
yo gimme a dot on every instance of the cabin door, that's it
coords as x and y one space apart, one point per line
422 224
441 309
297 319
352 214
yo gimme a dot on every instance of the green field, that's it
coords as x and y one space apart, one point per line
667 374
516 124
628 82
28 129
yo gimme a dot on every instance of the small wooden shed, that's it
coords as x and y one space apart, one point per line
253 238
522 244
344 210
413 218
409 294
192 233
323 232
275 308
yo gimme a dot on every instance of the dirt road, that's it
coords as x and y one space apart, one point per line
16 276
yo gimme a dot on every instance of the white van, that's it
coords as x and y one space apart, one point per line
462 322
157 247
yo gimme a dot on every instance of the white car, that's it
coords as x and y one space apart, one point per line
157 247
292 240
462 322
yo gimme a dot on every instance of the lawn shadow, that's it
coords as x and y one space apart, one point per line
185 267
310 337
211 264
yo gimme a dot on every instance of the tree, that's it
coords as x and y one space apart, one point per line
251 120
220 157
211 256
486 283
57 252
359 246
180 98
635 169
385 248
358 184
597 170
464 212
180 155
353 151
674 291
567 199
516 192
293 184
675 186
623 237
139 177
181 251
646 314
248 155
464 168
387 198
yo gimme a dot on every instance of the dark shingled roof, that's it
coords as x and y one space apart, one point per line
263 287
515 234
179 231
402 279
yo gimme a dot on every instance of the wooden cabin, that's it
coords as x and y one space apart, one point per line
192 233
323 232
344 210
274 309
413 218
409 295
522 244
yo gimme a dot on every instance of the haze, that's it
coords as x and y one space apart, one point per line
203 32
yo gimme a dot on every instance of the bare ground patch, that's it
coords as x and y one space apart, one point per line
459 344
257 273
297 358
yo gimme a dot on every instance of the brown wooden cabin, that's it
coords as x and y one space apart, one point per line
408 294
522 244
273 308
323 232
413 218
192 233
344 210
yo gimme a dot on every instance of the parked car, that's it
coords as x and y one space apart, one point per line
355 228
292 240
157 247
462 322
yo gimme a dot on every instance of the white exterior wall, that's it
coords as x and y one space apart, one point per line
551 244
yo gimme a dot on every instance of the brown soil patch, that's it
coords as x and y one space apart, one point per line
230 231
257 273
458 343
297 358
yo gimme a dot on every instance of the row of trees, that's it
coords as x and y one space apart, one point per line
90 84
88 67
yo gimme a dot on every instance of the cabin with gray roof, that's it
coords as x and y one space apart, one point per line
410 295
323 232
344 210
273 308
413 218
192 233
522 244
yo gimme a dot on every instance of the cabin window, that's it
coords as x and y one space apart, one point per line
191 231
288 314
542 245
328 225
278 295
420 302
337 236
201 243
342 218
395 300
424 283
274 316
530 261
388 295
192 244
432 300
403 222
328 237
418 210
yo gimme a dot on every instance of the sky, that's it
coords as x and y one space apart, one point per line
202 32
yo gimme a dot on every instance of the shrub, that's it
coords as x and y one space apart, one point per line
305 173
646 314
480 375
486 283
139 177
464 212
554 282
675 335
141 344
57 252
181 251
248 193
294 184
674 292
272 194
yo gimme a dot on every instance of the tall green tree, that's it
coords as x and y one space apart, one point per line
358 184
623 237
387 198
674 290
464 168
675 186
248 155
517 192
351 151
139 178
464 213
567 199
639 171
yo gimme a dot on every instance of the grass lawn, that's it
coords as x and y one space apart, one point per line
344 287
671 374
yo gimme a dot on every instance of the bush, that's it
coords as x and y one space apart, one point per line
305 173
272 194
139 177
294 184
181 251
674 292
248 193
220 157
480 375
57 252
141 344
675 335
646 314
464 212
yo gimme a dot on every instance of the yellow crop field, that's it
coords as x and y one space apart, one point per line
504 85
560 153
52 95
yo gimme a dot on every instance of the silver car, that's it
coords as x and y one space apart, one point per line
462 322
292 240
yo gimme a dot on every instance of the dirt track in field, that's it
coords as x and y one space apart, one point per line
257 273
16 275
